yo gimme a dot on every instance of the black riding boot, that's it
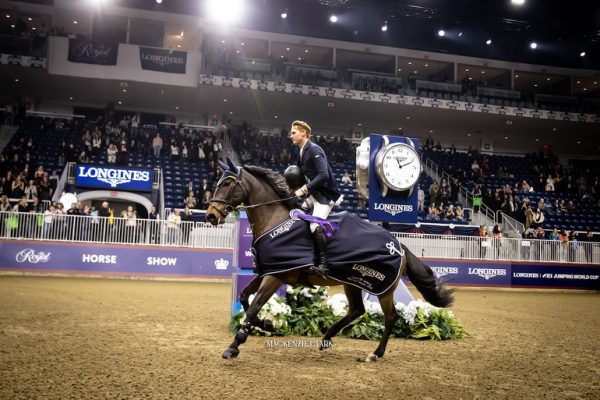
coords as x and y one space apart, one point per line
320 267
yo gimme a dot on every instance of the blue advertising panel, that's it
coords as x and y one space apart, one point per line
390 205
114 178
114 259
472 272
576 276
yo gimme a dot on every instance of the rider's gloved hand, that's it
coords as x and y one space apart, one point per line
301 192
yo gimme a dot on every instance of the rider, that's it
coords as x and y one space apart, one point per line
321 187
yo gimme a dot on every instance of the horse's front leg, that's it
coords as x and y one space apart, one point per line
267 287
356 308
250 289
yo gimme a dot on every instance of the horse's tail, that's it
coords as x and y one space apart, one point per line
423 278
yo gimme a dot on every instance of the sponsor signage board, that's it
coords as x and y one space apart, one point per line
162 60
113 178
117 259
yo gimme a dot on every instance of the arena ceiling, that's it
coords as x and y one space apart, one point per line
328 115
561 29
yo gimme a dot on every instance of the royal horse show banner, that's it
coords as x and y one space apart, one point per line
162 60
110 259
88 52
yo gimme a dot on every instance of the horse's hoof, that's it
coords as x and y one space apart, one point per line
268 326
325 344
371 358
230 353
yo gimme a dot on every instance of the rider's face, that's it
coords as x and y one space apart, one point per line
297 135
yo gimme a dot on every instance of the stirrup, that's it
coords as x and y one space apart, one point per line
320 270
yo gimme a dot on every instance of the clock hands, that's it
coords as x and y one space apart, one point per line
403 165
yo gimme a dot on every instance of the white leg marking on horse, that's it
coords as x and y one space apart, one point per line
371 358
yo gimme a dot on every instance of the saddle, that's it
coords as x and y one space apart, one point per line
359 253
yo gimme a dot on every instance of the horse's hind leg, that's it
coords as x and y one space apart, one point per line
250 289
268 286
386 301
356 308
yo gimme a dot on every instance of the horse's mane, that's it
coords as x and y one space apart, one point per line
275 180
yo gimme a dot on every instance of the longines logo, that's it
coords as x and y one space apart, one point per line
29 255
487 273
370 272
221 263
393 209
113 177
443 271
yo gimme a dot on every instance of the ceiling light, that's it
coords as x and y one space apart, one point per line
29 19
441 33
124 90
71 98
225 11
547 79
33 29
517 75
582 54
158 1
535 84
578 82
282 57
483 72
585 89
16 79
409 63
384 27
427 65
230 112
459 34
468 134
225 100
75 22
517 2
333 19
415 72
276 117
299 58
505 137
488 42
177 107
119 102
284 15
7 15
306 51
537 140
400 70
223 41
287 49
242 44
533 45
12 26
237 51
407 117
178 46
466 69
595 83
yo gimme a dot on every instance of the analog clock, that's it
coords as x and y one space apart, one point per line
398 166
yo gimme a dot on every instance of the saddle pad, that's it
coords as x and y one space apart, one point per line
359 254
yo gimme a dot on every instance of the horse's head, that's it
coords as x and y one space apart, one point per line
229 193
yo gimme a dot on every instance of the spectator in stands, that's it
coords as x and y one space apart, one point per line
4 204
111 153
206 200
130 217
122 155
154 227
96 144
187 222
204 187
48 222
433 192
528 216
346 180
173 227
540 233
22 206
18 188
450 212
460 213
174 151
190 200
549 187
432 213
538 218
560 207
31 190
525 186
420 199
564 244
46 188
588 239
157 145
574 246
83 157
483 233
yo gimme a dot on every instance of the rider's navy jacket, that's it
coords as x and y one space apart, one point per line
321 182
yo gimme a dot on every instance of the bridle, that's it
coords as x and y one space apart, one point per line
229 207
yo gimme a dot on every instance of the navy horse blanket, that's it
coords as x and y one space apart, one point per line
359 253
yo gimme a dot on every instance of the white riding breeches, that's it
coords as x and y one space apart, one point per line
320 210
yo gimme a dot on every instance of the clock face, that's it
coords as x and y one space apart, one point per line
399 166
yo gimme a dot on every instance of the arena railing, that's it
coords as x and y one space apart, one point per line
93 229
500 249
132 231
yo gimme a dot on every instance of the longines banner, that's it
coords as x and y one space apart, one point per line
112 178
163 60
32 256
85 51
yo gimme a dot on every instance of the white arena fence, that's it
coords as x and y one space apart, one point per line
134 231
93 229
500 249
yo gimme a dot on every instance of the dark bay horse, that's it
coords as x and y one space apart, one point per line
268 201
